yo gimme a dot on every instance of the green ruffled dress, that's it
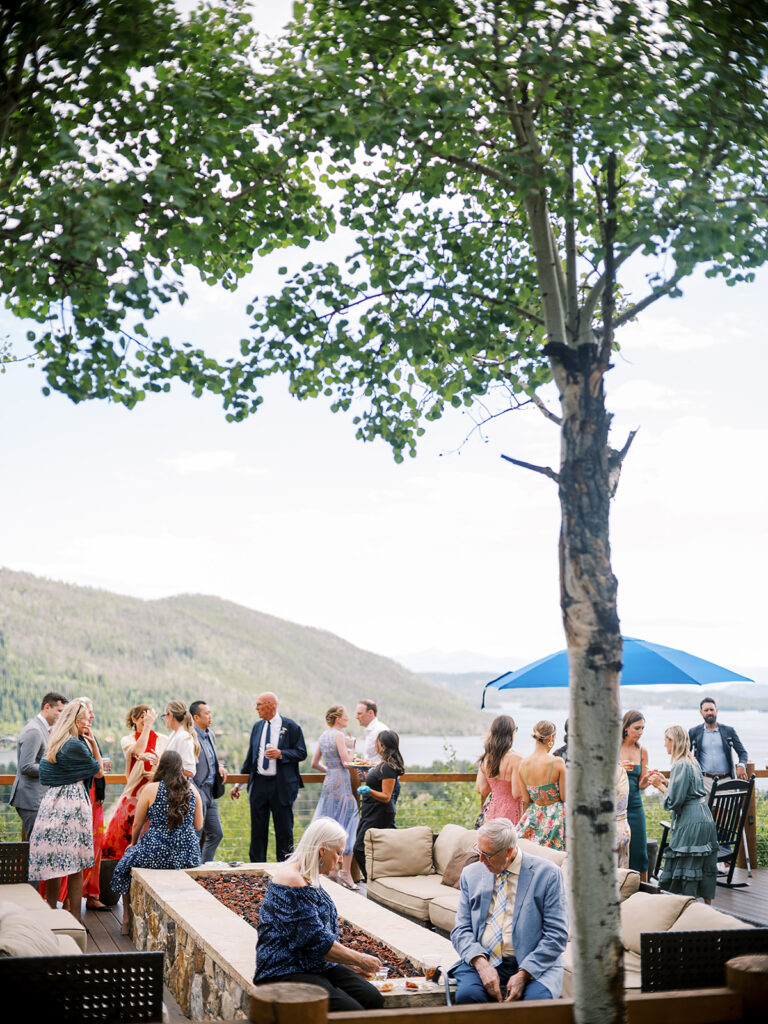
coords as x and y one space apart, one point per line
690 860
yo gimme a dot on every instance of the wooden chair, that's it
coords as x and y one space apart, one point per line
729 803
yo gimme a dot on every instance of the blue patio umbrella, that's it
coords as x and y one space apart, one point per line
644 664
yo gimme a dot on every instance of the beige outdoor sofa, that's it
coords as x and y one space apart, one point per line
405 873
20 905
406 866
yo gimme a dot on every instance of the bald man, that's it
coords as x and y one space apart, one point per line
275 750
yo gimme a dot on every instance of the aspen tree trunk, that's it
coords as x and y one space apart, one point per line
588 601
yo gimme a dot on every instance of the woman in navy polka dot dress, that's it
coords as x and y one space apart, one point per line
174 810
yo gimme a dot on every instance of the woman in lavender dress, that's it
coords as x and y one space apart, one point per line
337 800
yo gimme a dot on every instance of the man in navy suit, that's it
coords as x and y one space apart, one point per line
511 923
712 743
275 750
209 778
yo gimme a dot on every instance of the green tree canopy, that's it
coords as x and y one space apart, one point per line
131 150
467 144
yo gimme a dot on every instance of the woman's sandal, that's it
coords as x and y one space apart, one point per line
347 884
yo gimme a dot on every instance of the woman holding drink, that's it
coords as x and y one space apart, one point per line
690 858
634 759
337 800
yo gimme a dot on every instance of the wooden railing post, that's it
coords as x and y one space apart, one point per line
748 975
750 829
289 1003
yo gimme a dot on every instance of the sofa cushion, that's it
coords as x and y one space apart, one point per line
22 934
442 910
68 946
557 856
23 895
698 917
629 883
61 922
398 852
454 867
649 912
451 840
411 895
631 971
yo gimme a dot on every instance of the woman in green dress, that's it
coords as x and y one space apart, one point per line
690 859
634 759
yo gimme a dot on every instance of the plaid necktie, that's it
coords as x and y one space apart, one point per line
265 759
497 919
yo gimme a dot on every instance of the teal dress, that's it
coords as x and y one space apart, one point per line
690 859
638 844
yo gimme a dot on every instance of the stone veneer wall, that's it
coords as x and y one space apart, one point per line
210 952
203 983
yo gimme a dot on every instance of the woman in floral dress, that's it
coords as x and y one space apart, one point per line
337 800
141 755
61 843
174 810
539 782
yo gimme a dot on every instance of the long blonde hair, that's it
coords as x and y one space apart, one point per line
178 709
321 833
65 728
681 744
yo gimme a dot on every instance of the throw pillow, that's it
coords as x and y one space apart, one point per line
456 865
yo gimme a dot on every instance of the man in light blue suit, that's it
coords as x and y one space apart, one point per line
511 924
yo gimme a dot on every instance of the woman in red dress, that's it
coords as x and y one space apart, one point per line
141 756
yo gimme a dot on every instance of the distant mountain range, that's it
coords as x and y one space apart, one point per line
121 651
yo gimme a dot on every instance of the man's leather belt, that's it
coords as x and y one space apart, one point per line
717 775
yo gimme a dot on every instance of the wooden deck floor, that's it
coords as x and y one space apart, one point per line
748 904
104 937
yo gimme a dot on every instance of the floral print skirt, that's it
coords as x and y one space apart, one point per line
62 839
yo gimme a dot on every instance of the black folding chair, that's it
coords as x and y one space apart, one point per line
729 804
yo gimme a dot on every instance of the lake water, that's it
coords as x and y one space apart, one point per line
752 727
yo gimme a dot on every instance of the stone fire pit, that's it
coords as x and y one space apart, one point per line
211 951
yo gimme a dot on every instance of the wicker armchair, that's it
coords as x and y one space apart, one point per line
108 987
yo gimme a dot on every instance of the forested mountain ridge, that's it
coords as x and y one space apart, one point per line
122 650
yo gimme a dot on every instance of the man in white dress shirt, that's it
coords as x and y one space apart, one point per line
366 715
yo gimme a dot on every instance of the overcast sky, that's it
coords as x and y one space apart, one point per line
288 514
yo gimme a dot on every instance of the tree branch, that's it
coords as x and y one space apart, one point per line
545 411
544 470
658 293
615 459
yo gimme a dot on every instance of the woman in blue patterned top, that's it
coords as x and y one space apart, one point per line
298 926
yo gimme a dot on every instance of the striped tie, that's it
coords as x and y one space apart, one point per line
497 919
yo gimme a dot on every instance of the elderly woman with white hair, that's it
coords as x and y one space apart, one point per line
298 926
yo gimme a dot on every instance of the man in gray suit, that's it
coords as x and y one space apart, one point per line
209 778
27 791
511 923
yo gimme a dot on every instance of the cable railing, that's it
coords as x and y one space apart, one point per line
427 798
